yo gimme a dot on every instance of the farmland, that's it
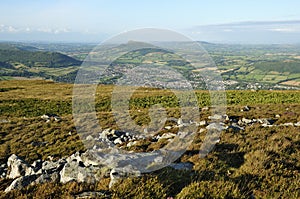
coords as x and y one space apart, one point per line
258 67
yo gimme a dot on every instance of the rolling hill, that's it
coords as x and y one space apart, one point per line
241 66
18 60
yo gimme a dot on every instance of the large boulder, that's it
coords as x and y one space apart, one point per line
216 127
89 158
17 167
49 167
44 178
77 171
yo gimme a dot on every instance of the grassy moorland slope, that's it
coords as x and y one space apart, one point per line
259 161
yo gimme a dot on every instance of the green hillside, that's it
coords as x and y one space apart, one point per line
279 66
37 58
19 60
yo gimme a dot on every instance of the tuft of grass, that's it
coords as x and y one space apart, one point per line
144 187
211 189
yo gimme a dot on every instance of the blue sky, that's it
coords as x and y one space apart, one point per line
92 20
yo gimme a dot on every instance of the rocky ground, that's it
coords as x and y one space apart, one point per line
86 167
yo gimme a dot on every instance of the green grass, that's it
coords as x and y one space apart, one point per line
5 78
279 66
261 161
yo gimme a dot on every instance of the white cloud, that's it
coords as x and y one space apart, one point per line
63 30
45 30
287 30
10 29
250 32
227 30
1 28
48 30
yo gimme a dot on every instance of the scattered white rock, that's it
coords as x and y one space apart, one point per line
245 108
166 136
89 137
235 127
216 126
287 124
130 144
205 109
86 167
168 127
4 121
297 124
50 116
118 141
247 121
114 177
215 117
266 125
266 122
202 123
179 122
202 130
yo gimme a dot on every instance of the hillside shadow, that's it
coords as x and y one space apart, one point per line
225 147
225 152
235 159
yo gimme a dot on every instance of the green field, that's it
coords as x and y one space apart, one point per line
266 65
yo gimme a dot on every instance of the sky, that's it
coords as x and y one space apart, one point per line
226 21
